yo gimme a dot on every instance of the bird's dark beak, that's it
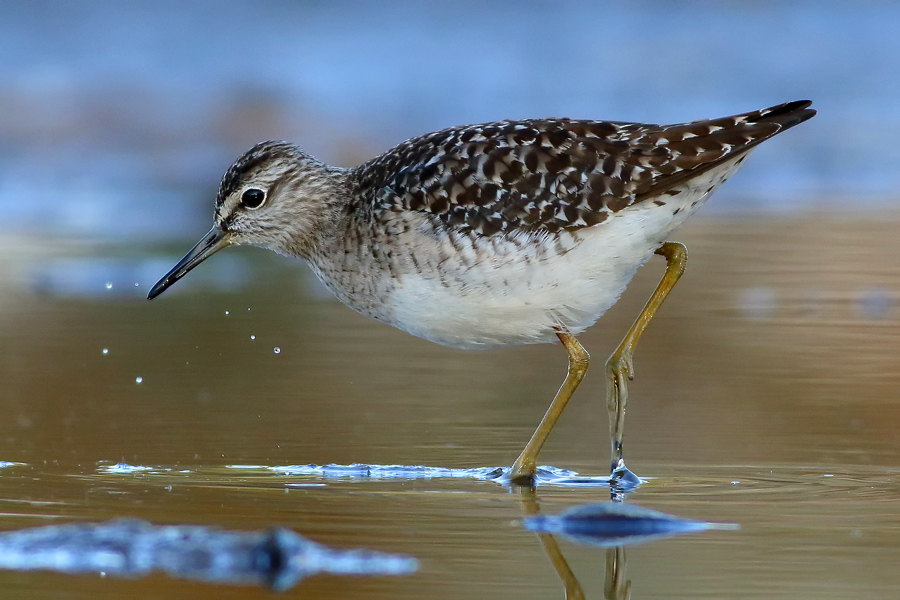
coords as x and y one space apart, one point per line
211 243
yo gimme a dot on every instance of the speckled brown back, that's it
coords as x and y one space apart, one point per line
553 174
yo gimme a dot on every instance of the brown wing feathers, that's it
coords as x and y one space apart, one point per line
693 148
554 174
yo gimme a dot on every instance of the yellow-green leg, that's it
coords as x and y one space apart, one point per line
524 467
620 366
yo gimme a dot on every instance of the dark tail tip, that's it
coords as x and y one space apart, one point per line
787 115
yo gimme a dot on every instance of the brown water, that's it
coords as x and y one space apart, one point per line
767 393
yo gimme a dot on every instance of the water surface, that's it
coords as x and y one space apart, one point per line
765 395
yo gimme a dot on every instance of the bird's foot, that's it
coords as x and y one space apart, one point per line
622 481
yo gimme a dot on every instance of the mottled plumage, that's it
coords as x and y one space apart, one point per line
552 174
503 233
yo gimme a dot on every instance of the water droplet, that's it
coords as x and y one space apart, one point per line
105 351
252 337
109 285
277 350
138 380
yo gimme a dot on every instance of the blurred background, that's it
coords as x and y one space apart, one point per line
777 359
117 119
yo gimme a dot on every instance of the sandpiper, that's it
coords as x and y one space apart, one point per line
512 232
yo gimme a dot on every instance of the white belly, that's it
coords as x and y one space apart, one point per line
520 296
495 291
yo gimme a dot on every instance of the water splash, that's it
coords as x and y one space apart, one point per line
123 468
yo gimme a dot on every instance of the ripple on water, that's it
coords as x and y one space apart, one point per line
545 475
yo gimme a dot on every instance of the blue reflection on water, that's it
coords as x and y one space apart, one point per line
135 548
611 524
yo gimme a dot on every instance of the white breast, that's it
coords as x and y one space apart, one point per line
472 291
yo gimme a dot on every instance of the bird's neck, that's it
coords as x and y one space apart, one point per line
319 218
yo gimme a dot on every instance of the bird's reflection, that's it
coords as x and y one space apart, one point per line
551 547
610 525
616 586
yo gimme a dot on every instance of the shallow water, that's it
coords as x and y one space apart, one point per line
765 395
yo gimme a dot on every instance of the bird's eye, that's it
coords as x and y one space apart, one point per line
253 198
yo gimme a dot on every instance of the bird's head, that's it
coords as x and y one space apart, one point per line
275 196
